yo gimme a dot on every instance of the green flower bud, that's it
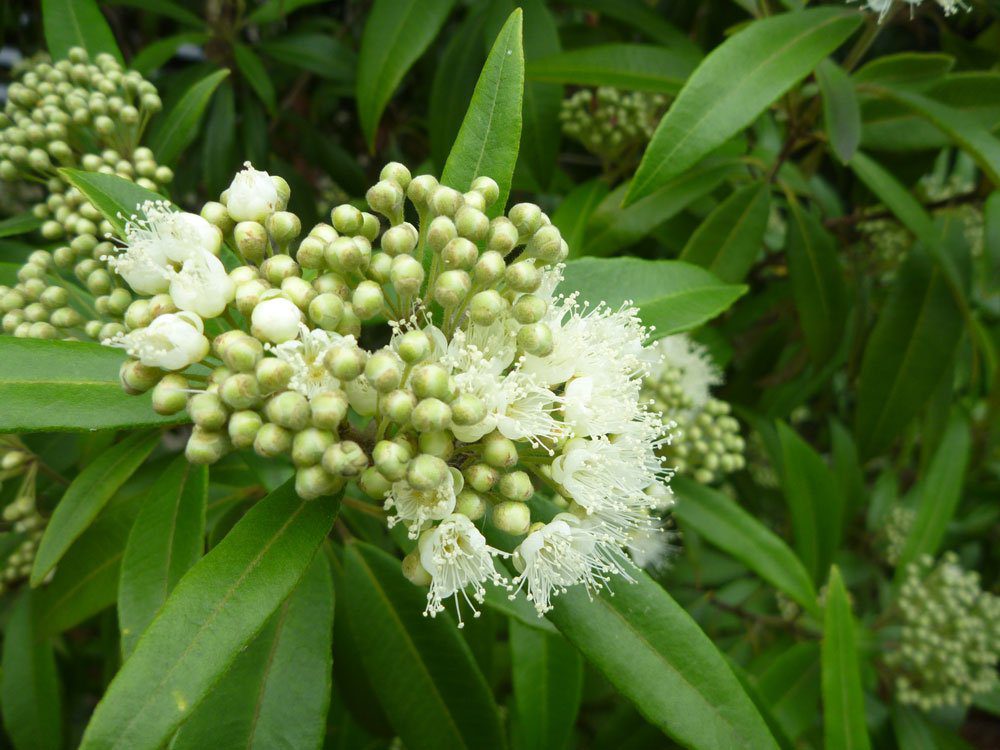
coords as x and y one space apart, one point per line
350 324
332 283
99 282
283 227
421 188
288 409
328 409
489 268
426 472
398 405
431 381
347 219
65 317
437 443
309 445
216 214
391 459
431 414
248 295
136 377
512 517
284 190
243 354
326 311
367 300
523 276
529 309
440 232
243 428
386 197
272 374
516 485
414 571
451 287
277 268
475 200
468 409
299 291
311 252
240 391
472 223
527 217
118 301
312 482
345 361
407 274
488 188
373 484
93 329
470 504
397 173
205 446
546 245
481 477
161 304
251 241
384 371
536 339
460 253
445 201
498 451
272 440
486 307
414 346
348 254
137 315
207 411
345 459
400 239
170 394
503 236
380 268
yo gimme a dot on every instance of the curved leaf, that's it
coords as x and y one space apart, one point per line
487 143
15 225
173 133
115 197
575 211
154 55
636 67
729 240
218 607
843 703
77 23
646 21
841 113
421 669
734 84
548 681
256 74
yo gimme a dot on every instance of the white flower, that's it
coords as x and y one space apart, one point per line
276 319
157 237
310 375
651 548
698 373
601 404
417 507
457 557
563 553
202 285
252 195
171 341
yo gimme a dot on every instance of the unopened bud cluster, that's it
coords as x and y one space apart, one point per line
705 439
20 518
609 122
949 641
83 114
896 529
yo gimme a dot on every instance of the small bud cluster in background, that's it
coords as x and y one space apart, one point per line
609 122
949 640
489 385
705 440
882 7
896 529
20 516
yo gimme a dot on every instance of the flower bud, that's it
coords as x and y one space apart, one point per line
345 360
431 381
512 517
243 428
384 371
400 239
205 446
421 188
299 291
216 214
426 472
380 267
251 241
277 268
397 173
309 445
546 244
535 339
348 254
345 459
367 300
488 188
346 219
414 571
437 443
311 252
451 287
440 232
243 354
240 391
283 227
373 484
431 414
481 477
470 504
272 440
407 274
517 486
413 346
472 224
386 197
475 200
498 451
332 283
485 307
312 482
350 324
272 374
398 405
288 409
370 226
468 409
252 195
136 377
391 459
527 217
328 409
65 317
54 297
161 304
489 269
207 411
460 253
445 201
523 276
276 320
248 295
326 311
529 309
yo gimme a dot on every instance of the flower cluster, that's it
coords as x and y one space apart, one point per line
486 382
705 440
896 530
609 122
949 638
882 7
21 518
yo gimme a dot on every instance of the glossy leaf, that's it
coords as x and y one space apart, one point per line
841 113
218 607
173 132
734 84
22 224
729 240
817 283
613 227
843 702
487 143
421 669
897 375
548 680
155 55
905 69
791 686
115 197
651 650
277 691
322 54
77 23
29 684
166 540
167 9
939 493
66 385
573 214
396 34
87 495
255 74
634 67
274 10
218 147
671 295
646 21
725 524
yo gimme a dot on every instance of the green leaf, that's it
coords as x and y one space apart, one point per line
66 385
843 703
22 224
573 214
322 54
487 143
548 681
166 540
657 657
421 669
165 8
635 67
77 23
255 74
646 21
914 731
218 607
730 528
817 283
897 375
734 85
171 134
396 34
729 240
841 113
814 501
115 197
791 685
905 68
277 691
962 127
991 235
541 129
29 684
87 495
218 147
939 493
612 227
274 10
671 295
154 56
